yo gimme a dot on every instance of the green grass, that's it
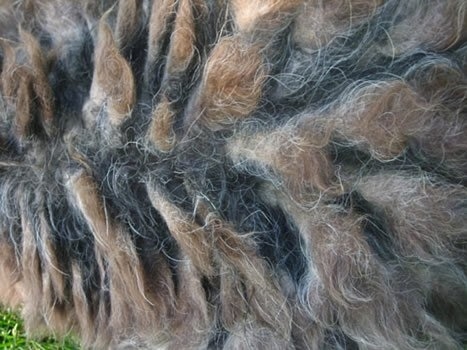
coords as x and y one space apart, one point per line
12 336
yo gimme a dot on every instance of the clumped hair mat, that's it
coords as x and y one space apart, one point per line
235 174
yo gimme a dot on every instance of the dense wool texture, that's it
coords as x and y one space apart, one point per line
235 174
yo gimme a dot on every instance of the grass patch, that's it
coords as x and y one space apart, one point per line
12 336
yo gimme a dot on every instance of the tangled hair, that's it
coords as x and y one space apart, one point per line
235 174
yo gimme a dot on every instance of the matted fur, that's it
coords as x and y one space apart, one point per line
235 174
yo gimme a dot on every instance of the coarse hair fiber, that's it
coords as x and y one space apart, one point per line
235 174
